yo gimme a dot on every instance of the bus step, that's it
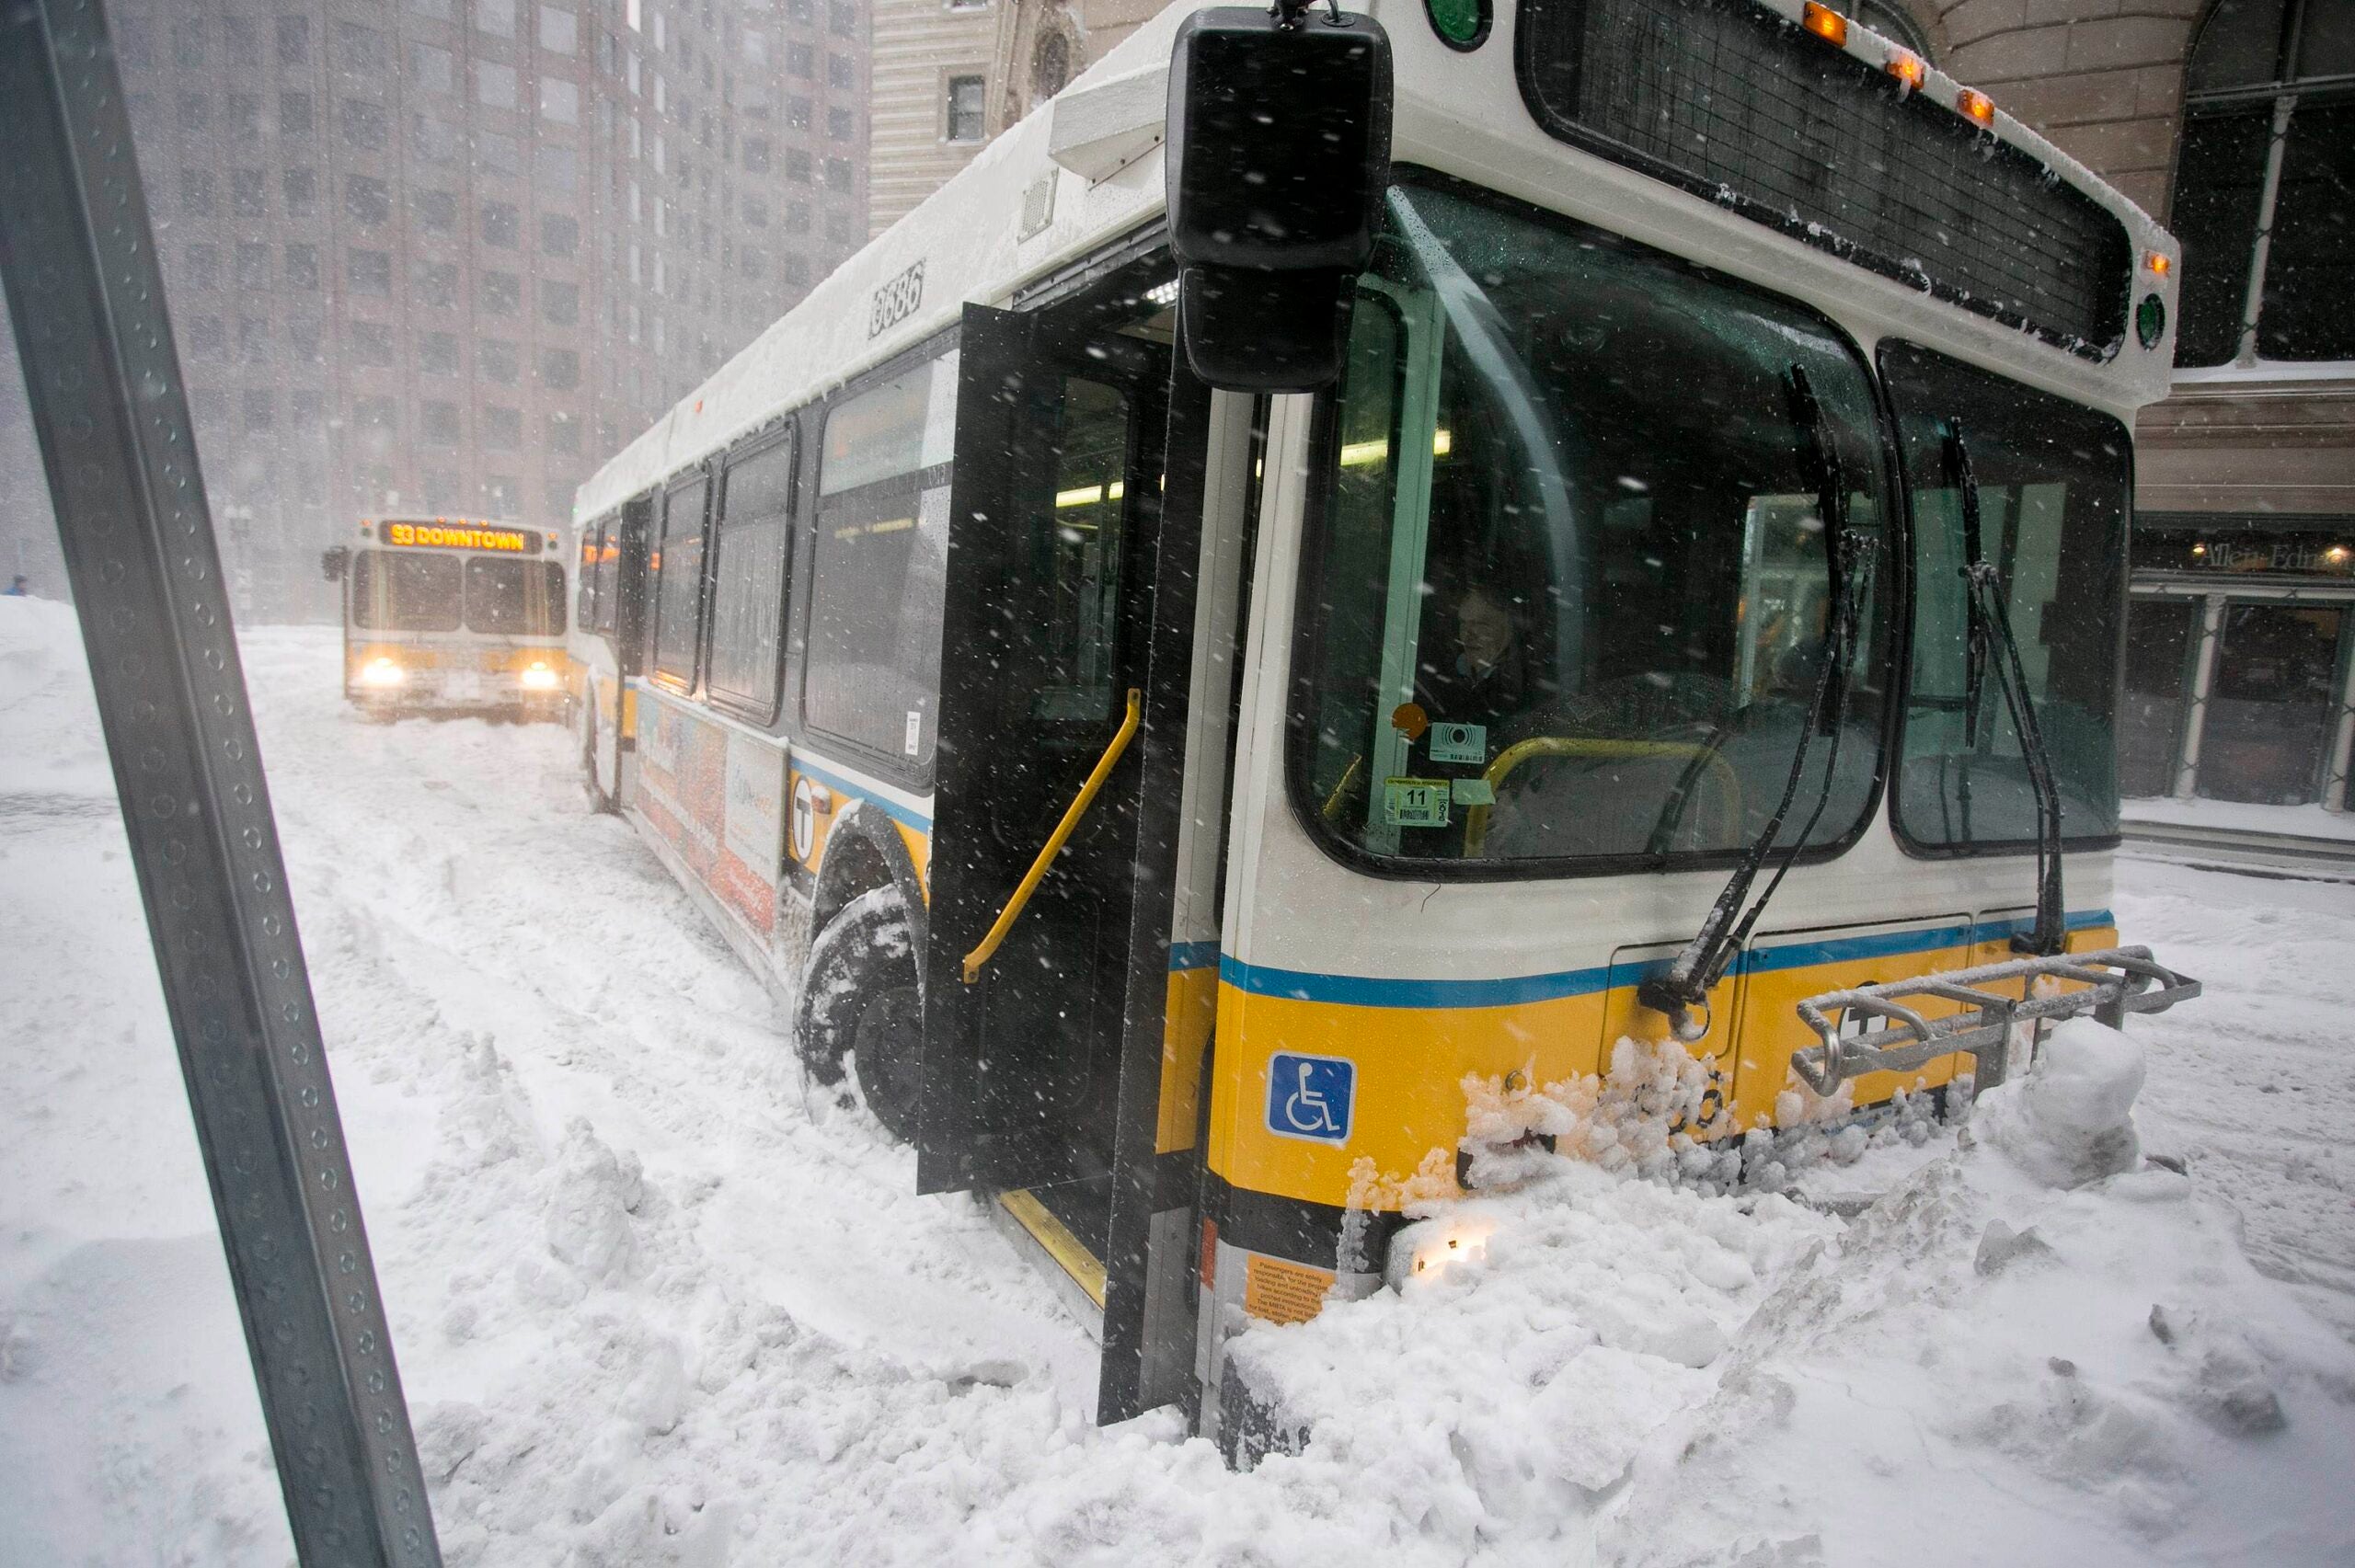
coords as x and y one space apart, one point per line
2108 985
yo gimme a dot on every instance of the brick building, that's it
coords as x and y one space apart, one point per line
447 255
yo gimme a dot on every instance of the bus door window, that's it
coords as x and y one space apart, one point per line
1573 589
678 592
1072 556
417 591
2051 477
592 541
873 661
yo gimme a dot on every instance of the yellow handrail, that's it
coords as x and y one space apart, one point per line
1476 819
1072 814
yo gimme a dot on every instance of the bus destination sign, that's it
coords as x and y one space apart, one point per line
454 535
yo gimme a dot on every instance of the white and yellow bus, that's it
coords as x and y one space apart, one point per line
452 614
1159 787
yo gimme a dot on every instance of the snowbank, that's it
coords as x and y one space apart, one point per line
652 1308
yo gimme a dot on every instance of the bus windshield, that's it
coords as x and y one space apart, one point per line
421 592
2051 478
1571 598
521 599
405 593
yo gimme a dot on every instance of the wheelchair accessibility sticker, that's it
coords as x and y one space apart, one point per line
1311 1098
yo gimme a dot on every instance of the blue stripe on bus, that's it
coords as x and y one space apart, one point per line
1192 955
1360 990
832 780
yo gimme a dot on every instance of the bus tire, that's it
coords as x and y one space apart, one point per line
859 1004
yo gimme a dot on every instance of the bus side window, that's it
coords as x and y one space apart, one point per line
751 542
678 596
584 607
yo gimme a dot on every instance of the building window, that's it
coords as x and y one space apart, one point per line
244 115
501 293
249 195
364 124
559 235
843 125
302 189
188 43
501 495
437 353
359 50
559 101
204 336
366 199
838 178
559 369
302 267
435 283
260 410
756 155
437 211
496 17
796 166
372 345
253 266
559 31
494 84
294 114
253 340
440 423
802 61
196 192
196 112
559 170
564 434
502 429
203 267
559 303
429 68
2265 187
434 138
498 153
842 19
840 72
496 361
294 40
966 98
500 226
369 272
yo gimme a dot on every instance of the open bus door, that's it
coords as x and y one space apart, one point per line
612 751
1067 656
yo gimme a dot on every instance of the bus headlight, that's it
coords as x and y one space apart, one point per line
382 671
539 677
1430 1247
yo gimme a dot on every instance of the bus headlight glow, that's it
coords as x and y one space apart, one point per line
1430 1247
382 671
539 677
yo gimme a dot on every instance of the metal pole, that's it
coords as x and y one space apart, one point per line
2203 680
2336 790
110 412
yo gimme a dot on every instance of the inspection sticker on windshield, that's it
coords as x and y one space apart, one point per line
1415 803
1459 742
1473 792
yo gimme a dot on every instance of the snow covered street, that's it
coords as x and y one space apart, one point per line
654 1307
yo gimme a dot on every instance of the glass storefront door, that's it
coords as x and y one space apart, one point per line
2160 634
2270 716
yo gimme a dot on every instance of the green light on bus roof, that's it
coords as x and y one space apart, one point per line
1461 24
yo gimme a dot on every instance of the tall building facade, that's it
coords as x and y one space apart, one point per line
447 255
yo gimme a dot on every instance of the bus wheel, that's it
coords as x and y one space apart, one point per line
599 801
859 1000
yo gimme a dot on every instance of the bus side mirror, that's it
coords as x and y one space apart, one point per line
333 562
1278 132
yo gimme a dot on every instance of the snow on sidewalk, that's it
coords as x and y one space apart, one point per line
652 1310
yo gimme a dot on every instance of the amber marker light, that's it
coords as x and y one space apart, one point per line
1824 23
1907 67
1976 106
2159 263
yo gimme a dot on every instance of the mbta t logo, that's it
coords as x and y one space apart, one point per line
1311 1098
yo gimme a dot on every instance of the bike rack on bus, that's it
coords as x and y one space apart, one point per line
110 411
2113 982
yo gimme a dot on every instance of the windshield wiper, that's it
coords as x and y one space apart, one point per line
1991 632
1681 991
